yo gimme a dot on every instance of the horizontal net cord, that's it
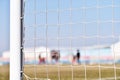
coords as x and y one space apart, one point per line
76 66
60 49
82 47
108 78
67 48
63 10
73 38
62 25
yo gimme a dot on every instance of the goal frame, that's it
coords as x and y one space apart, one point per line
16 39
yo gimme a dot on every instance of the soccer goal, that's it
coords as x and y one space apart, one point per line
64 39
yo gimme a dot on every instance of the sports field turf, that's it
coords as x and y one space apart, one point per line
64 72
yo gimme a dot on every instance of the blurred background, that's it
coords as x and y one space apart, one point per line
4 27
96 37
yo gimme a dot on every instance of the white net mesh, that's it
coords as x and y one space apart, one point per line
72 40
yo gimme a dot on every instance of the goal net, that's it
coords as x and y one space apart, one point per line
71 40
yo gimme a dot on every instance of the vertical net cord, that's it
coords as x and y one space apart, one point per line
35 39
58 37
47 40
113 38
27 78
84 25
98 34
72 75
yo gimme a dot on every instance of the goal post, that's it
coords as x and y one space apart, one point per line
15 39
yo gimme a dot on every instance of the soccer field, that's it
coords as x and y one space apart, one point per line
64 72
4 72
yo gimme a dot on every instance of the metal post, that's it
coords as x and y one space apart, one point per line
15 39
21 56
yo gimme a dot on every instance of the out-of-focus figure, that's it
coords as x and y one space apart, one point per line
55 56
78 56
41 60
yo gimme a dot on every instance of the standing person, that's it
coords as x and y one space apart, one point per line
74 59
39 59
78 56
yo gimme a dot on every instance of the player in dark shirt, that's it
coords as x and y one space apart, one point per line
78 56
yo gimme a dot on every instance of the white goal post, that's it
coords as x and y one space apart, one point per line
16 39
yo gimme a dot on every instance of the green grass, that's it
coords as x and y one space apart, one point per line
4 72
65 72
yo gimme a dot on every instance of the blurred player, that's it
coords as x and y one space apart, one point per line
78 56
41 60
